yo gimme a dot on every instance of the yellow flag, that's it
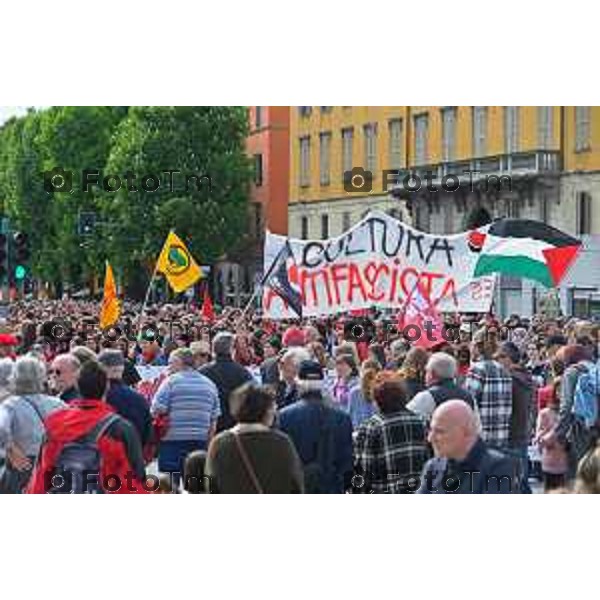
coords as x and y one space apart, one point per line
178 265
111 309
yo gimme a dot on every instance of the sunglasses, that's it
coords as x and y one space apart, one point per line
55 372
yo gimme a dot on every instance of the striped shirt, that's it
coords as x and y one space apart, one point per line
192 402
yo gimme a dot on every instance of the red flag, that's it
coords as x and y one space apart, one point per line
420 313
207 311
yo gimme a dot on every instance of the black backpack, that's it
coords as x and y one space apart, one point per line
77 468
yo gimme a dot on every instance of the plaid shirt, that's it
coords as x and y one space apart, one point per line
390 452
491 387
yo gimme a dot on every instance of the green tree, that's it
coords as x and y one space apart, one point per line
210 214
76 138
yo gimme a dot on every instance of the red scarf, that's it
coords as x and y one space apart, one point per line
69 424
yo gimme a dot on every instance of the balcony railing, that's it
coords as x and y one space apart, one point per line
519 164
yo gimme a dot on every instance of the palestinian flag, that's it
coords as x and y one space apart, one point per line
525 248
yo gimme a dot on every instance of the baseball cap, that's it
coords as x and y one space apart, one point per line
310 370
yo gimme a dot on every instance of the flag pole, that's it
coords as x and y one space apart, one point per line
144 305
252 298
262 281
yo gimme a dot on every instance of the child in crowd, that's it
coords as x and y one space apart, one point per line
554 454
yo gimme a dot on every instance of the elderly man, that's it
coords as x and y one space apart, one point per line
286 390
440 374
201 353
226 374
463 463
22 426
64 372
191 402
127 402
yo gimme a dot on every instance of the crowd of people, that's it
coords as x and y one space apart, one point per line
339 404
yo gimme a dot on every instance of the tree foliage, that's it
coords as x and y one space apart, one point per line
210 214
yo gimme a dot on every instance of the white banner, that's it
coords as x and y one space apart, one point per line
378 263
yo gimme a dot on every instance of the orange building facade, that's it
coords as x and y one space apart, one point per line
268 147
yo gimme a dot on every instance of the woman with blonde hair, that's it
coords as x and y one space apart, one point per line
413 371
587 480
361 405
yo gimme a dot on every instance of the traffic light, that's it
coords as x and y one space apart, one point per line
3 257
87 223
21 254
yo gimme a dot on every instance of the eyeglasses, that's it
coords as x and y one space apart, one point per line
55 372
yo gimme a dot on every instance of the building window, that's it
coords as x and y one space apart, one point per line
479 121
448 134
324 227
258 170
584 213
304 228
511 129
326 109
421 135
395 141
582 128
370 133
325 157
305 161
304 111
347 149
258 117
346 223
545 126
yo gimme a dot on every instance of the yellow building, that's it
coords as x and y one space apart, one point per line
537 162
327 141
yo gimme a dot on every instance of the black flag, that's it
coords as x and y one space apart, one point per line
277 279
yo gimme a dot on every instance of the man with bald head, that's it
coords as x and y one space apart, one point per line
463 463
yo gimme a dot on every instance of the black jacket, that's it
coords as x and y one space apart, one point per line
483 471
132 406
446 389
523 389
227 375
269 371
284 396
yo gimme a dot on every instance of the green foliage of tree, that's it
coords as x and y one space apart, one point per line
210 215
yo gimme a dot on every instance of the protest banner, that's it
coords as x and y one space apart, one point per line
377 263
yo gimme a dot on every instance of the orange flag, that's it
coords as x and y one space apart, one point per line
111 309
